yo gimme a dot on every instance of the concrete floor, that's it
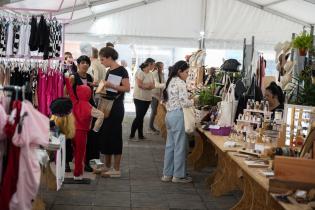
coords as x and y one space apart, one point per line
140 186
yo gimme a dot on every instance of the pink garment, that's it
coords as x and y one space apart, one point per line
3 121
41 92
56 84
60 85
49 90
35 131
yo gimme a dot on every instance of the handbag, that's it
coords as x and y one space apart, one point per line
189 119
228 108
105 105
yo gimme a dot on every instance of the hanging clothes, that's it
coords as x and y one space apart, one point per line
3 36
9 40
10 178
3 120
20 36
29 169
32 41
16 38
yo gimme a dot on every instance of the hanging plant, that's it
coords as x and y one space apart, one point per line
303 42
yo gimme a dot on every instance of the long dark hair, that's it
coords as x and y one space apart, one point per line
179 66
146 63
276 91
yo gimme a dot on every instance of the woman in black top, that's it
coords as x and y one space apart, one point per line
110 135
275 97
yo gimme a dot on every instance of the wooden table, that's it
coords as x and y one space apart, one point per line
203 153
232 173
209 149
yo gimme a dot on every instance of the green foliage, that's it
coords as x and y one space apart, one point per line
302 91
207 96
304 40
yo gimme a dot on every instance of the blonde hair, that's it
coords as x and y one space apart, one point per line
66 125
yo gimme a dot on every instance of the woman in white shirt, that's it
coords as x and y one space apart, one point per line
176 97
144 83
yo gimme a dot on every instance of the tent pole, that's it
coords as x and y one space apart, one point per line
244 54
310 54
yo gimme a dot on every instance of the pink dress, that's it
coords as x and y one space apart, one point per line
49 90
35 132
60 84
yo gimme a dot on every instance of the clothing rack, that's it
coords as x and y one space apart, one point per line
13 88
48 13
53 62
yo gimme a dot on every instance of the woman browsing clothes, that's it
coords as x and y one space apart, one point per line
144 83
110 135
175 96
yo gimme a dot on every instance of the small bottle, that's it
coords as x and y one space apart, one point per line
262 105
240 116
248 104
257 105
266 107
252 105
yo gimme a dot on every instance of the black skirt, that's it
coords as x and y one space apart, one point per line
110 134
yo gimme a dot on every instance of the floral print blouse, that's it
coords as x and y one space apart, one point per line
177 95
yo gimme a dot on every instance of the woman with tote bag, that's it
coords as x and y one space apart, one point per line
175 96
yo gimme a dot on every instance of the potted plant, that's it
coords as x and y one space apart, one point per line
303 42
207 96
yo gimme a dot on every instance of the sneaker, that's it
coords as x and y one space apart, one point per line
88 168
134 139
78 178
142 137
68 169
166 178
154 131
186 179
100 170
97 162
111 173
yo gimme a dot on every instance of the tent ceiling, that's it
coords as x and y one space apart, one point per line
269 21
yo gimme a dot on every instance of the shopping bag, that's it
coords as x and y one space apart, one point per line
105 105
228 108
189 119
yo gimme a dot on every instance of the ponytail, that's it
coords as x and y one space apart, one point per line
143 65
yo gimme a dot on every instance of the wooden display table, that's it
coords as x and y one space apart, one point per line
232 173
203 153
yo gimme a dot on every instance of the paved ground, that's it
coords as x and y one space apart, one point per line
140 186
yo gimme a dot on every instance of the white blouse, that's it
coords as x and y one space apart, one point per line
177 95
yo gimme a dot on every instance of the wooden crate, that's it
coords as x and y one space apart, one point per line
294 169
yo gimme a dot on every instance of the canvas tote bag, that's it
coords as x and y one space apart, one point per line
228 108
189 119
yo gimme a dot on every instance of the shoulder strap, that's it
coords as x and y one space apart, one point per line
89 78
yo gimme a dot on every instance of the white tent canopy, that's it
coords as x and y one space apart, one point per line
225 23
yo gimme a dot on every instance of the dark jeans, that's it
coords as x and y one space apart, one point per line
92 147
141 109
154 106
